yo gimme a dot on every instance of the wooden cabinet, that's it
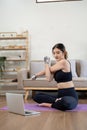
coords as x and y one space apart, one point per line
14 47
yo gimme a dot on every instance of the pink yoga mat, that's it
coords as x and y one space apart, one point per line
80 107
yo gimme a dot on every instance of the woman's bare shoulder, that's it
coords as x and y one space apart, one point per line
64 63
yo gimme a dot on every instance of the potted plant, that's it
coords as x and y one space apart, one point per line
2 65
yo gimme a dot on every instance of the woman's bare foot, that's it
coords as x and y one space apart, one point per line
45 104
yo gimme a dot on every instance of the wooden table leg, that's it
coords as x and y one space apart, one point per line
26 94
33 93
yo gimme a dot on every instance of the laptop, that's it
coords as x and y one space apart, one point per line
15 104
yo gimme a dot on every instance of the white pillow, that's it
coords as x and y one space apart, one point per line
83 65
73 67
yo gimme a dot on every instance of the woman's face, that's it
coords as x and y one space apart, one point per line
58 54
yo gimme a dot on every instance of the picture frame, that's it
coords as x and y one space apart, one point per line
46 1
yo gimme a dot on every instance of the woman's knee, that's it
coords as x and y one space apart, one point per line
44 98
66 103
69 103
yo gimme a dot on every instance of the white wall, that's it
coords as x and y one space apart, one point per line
48 24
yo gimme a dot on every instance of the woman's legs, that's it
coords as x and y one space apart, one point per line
44 98
65 103
62 103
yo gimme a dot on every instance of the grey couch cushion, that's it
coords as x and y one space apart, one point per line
36 66
80 82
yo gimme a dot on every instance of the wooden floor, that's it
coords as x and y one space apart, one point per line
51 120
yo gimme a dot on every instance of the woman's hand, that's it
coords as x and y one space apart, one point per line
47 60
47 68
34 77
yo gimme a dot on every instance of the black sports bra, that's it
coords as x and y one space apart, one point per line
61 76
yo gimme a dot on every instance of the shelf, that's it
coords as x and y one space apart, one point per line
14 47
4 49
5 84
16 60
5 80
14 70
10 70
12 38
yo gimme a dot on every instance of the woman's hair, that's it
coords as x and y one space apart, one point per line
61 47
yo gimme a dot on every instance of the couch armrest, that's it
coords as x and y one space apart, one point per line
21 75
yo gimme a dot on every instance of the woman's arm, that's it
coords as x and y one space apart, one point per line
40 73
49 70
48 73
60 65
45 72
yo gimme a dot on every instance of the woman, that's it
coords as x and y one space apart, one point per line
67 98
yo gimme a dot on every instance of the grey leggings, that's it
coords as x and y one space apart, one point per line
68 99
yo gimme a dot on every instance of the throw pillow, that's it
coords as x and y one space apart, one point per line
73 67
83 65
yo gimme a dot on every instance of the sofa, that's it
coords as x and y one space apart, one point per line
79 73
